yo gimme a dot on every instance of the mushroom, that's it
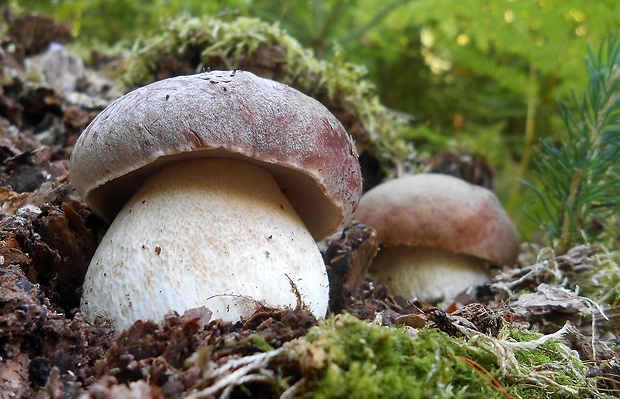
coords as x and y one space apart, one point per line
218 185
439 235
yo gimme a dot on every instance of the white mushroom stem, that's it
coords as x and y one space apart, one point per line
211 232
430 274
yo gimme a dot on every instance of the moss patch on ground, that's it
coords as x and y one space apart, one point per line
345 357
368 361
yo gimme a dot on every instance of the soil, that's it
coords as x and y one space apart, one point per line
48 235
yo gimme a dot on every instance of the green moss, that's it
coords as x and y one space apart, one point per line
364 361
259 343
377 362
553 359
344 357
203 43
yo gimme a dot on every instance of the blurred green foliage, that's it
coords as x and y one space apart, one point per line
483 76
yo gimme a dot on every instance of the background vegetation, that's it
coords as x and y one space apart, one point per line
483 76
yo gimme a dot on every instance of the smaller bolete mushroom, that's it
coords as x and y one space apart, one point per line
219 185
439 235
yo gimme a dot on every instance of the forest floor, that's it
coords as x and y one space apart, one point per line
48 235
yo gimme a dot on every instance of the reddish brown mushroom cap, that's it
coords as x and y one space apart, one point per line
221 114
440 211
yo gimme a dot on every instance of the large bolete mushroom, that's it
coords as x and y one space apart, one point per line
218 185
439 235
